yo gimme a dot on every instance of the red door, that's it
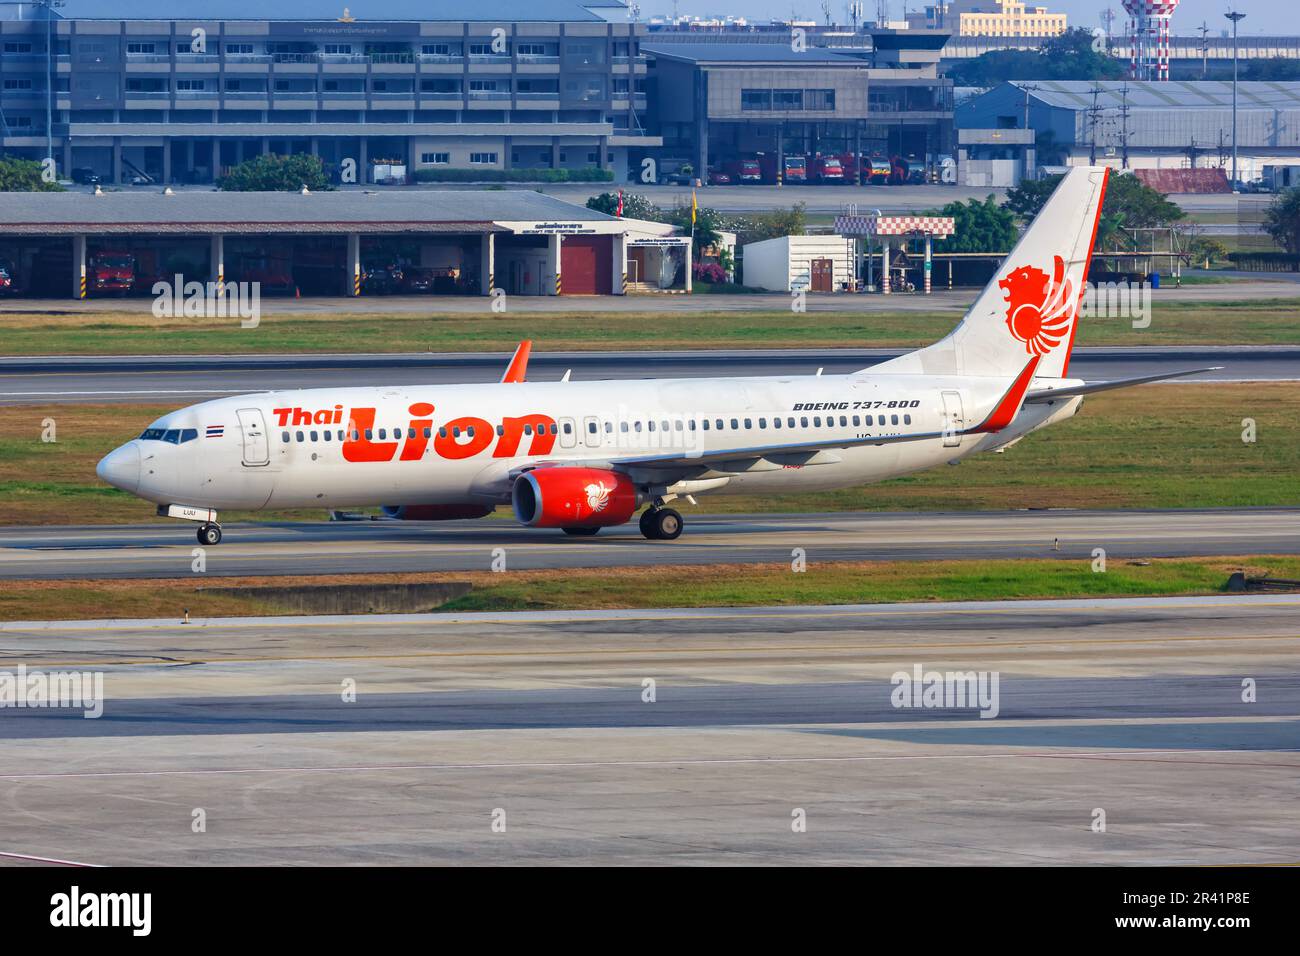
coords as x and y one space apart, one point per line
586 265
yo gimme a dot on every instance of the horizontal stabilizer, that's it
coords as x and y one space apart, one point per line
1049 394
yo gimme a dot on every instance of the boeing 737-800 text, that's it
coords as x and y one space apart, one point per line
586 455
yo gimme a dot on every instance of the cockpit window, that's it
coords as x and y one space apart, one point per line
189 434
152 434
175 436
172 435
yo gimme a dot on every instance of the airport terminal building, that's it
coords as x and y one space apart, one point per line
177 91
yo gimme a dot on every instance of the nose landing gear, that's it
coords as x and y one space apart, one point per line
661 524
209 534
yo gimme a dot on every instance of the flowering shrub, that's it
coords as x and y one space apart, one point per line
710 272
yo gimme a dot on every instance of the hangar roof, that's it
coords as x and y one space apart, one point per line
1173 94
423 211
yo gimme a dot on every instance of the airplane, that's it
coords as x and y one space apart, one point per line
582 456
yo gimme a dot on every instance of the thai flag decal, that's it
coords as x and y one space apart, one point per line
215 431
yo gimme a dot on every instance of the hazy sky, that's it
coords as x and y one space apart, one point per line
1262 16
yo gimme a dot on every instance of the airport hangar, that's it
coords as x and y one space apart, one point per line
319 243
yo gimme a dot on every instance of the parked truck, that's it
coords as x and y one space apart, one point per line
826 169
744 171
110 272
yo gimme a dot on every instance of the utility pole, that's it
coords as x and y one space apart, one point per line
1093 113
1204 31
1236 18
1108 19
1123 136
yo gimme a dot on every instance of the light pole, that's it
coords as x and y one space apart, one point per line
1236 18
48 6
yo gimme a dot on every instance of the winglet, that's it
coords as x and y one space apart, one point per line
518 367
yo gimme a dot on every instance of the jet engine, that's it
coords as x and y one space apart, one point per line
573 498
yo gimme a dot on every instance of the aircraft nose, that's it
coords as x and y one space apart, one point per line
121 467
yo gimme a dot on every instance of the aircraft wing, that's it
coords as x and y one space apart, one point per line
1049 394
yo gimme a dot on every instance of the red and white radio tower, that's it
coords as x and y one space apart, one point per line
1148 37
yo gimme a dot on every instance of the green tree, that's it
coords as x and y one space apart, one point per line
772 224
24 176
635 206
1070 56
1282 221
979 227
708 222
1130 204
1206 251
272 173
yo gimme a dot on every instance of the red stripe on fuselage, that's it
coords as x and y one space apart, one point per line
1006 411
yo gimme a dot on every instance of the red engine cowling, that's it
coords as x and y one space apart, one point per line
436 512
573 498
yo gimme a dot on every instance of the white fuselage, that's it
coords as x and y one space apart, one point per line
451 444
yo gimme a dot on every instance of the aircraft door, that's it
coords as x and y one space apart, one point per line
591 431
953 419
568 433
252 427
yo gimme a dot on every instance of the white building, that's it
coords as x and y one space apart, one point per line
807 263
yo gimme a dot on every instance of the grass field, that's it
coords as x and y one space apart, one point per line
1155 446
863 324
721 585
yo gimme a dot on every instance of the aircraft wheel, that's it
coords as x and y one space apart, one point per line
648 524
581 532
209 534
667 524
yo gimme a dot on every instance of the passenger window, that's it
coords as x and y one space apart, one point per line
844 421
857 420
501 430
893 419
428 432
554 430
410 433
455 432
803 422
789 422
776 422
880 419
762 423
299 436
528 430
356 435
284 436
735 424
469 432
692 425
568 429
665 425
328 436
650 426
677 425
442 432
383 433
749 423
817 421
591 428
315 436
636 426
622 426
907 419
705 423
718 422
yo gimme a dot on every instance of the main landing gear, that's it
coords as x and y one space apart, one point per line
661 524
209 534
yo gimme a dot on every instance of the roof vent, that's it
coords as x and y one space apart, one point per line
305 190
169 191
98 191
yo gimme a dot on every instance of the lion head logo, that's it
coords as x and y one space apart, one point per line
1040 308
597 496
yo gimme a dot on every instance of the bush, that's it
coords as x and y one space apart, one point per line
449 175
710 272
24 176
272 173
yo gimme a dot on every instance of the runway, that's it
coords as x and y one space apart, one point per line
174 378
342 547
674 736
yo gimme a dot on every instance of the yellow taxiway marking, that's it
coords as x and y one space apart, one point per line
679 614
729 650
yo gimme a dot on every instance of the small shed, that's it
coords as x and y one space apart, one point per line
800 263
